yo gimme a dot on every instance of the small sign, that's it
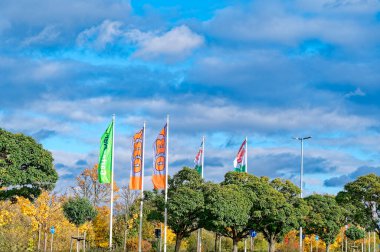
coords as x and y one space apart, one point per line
52 230
252 233
157 233
303 236
316 237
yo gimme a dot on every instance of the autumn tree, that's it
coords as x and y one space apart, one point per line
88 186
43 212
26 168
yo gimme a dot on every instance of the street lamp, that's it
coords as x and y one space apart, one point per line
301 139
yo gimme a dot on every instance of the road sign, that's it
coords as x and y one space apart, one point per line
316 237
303 236
252 233
52 230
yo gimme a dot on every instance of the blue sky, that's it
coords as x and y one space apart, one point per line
268 70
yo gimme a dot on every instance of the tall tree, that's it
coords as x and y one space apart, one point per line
26 168
185 204
227 211
325 218
88 186
276 205
363 195
280 207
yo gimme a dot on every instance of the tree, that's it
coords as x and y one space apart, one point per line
325 218
185 204
43 212
78 211
276 205
88 186
354 233
277 209
25 166
363 197
227 211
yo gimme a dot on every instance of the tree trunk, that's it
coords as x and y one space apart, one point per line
235 243
271 244
327 247
39 237
216 242
77 239
125 240
45 242
178 241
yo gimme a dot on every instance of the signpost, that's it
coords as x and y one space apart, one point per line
52 231
252 234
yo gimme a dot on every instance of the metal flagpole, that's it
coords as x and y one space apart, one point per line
246 170
199 239
113 151
166 181
142 189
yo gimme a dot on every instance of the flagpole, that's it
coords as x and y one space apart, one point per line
246 170
199 240
246 154
166 181
113 150
142 189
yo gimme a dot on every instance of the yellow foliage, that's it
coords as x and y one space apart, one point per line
101 227
6 215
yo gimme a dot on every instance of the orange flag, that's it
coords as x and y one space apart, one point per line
137 161
159 161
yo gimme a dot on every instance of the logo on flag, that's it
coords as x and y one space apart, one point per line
137 160
159 161
198 159
240 160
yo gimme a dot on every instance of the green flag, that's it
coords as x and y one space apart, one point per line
105 157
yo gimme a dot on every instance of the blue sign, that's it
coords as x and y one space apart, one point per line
252 233
303 236
316 237
52 230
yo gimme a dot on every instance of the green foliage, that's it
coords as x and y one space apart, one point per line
362 199
276 205
325 218
354 233
227 210
25 166
79 210
185 204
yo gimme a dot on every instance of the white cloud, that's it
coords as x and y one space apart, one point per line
49 34
100 36
357 92
177 43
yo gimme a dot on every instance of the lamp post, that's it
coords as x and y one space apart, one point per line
301 139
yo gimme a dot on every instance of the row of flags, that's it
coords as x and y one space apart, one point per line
159 160
160 167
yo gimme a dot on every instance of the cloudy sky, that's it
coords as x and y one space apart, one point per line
226 69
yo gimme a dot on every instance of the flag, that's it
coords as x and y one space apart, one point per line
137 161
159 160
240 160
105 157
198 159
